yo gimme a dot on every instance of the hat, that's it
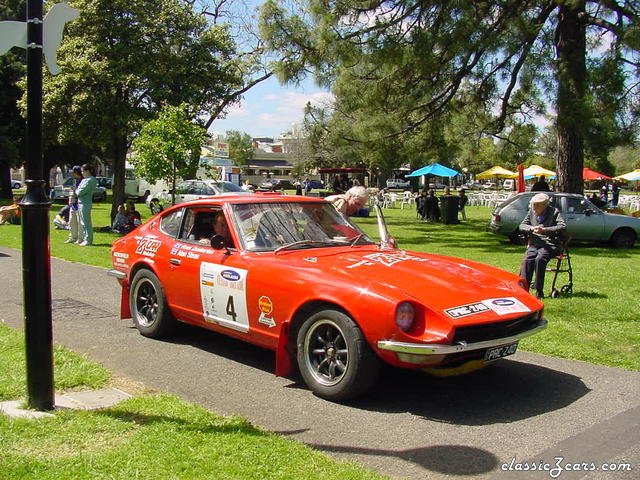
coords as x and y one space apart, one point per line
77 169
540 198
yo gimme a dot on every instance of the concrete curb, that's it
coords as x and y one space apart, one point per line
86 400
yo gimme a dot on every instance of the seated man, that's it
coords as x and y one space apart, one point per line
545 227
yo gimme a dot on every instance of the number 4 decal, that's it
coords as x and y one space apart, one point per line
231 311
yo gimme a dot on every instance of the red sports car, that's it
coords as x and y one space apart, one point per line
292 274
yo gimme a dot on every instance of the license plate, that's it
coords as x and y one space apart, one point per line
499 352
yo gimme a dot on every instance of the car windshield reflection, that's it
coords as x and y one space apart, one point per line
272 226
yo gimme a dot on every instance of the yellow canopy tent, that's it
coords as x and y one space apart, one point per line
536 171
495 172
630 177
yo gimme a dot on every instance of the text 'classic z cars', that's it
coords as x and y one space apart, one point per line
292 274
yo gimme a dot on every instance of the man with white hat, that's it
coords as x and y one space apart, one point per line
545 227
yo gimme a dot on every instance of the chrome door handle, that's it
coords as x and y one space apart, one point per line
174 261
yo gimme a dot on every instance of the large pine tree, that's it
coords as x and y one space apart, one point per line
414 60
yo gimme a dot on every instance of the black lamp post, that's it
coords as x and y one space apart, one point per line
36 260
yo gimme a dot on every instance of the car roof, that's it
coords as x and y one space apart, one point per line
245 197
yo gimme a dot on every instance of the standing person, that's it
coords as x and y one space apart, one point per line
462 202
307 186
541 185
431 206
74 222
545 227
615 194
85 201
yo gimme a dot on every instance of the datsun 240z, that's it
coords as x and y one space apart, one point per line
293 275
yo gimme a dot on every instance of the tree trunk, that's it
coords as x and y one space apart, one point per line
5 181
119 149
572 113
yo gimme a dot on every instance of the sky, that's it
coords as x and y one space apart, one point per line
269 109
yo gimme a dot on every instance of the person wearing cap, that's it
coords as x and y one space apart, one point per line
545 228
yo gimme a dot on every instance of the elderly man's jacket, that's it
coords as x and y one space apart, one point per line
554 224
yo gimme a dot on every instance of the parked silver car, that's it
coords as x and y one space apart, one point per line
585 221
60 193
191 190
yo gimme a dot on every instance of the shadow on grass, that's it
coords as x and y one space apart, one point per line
226 425
580 295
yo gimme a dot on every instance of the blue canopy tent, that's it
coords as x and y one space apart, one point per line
434 169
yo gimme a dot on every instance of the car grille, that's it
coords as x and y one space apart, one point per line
492 331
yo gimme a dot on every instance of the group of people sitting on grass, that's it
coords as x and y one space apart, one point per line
127 219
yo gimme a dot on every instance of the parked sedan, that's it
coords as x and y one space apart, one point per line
398 183
191 190
16 184
105 182
585 221
274 184
291 274
60 193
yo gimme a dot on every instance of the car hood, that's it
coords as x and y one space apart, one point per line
435 281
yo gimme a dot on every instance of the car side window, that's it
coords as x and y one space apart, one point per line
170 224
199 225
181 188
575 205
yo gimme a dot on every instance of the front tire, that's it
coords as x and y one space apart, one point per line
334 358
148 305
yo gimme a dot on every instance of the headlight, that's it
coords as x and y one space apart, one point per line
405 316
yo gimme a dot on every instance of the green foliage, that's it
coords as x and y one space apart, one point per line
12 125
122 60
240 146
400 70
168 147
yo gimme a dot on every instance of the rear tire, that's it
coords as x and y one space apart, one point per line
334 358
148 305
623 238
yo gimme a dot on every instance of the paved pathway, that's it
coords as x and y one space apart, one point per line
531 408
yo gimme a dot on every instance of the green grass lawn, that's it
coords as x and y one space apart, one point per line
150 436
598 323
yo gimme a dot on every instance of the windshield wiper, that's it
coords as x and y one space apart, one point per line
355 239
304 242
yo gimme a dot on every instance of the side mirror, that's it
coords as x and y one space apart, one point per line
588 211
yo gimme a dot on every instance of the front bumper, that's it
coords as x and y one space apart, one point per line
443 349
117 274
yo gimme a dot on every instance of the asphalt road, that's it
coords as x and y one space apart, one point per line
530 408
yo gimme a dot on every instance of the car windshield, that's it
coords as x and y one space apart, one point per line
227 187
294 225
